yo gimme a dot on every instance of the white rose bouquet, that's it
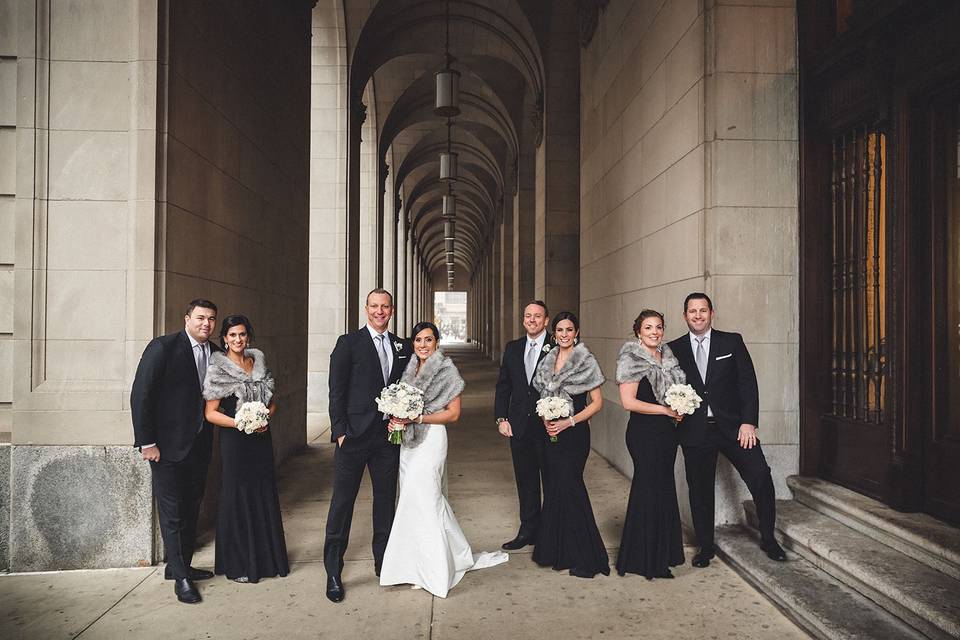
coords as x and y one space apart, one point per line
252 416
682 399
553 408
400 400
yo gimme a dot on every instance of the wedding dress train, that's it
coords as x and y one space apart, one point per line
427 547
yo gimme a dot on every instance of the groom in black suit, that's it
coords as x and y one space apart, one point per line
515 408
719 368
166 405
361 365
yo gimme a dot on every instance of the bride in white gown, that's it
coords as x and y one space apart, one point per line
427 548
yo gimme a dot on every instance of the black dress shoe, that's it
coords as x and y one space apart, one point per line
186 591
774 551
193 574
335 591
518 543
702 559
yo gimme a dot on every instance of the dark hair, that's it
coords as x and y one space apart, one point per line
696 295
420 326
379 290
565 315
235 320
539 303
200 302
646 313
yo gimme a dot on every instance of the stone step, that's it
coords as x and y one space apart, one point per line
819 603
926 599
917 535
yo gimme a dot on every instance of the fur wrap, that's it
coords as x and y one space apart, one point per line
225 378
440 382
579 374
634 363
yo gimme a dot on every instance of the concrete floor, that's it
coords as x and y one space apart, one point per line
515 600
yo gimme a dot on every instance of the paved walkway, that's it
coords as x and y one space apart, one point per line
515 600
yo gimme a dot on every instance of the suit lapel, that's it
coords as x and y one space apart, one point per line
715 339
185 353
688 362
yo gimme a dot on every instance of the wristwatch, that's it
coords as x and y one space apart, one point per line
499 420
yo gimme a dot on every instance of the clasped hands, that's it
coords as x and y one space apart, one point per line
399 424
554 427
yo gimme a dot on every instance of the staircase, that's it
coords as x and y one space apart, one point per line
857 568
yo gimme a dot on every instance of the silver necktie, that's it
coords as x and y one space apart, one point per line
202 363
384 358
530 362
701 358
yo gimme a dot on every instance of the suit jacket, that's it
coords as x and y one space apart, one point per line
356 381
730 388
166 403
516 399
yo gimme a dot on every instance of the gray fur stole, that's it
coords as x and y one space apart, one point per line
580 373
634 363
225 378
440 382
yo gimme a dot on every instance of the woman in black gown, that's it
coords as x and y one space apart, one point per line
250 543
652 539
568 536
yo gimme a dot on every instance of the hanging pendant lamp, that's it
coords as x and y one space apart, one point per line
448 159
447 102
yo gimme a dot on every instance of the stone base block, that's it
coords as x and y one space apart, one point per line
79 507
4 507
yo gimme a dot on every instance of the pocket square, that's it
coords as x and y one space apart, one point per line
399 357
723 357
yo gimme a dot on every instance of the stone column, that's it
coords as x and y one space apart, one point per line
327 205
557 182
508 303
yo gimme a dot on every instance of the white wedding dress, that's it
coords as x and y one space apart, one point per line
427 548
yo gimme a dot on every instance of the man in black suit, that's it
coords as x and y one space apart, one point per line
169 428
719 368
515 407
361 365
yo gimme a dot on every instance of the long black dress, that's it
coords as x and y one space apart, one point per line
568 536
652 539
249 526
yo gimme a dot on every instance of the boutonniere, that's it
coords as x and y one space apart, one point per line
398 346
546 348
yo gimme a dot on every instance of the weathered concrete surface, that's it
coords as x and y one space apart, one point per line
4 507
79 507
516 600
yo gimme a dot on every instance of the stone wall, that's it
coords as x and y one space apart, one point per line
161 159
83 284
237 181
688 182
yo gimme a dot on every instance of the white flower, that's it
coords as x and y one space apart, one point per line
682 399
546 348
251 416
553 408
401 400
398 347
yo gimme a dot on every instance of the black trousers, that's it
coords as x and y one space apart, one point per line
370 450
178 488
701 469
529 469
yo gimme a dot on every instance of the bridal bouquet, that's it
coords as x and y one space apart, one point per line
553 408
682 399
251 416
400 400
